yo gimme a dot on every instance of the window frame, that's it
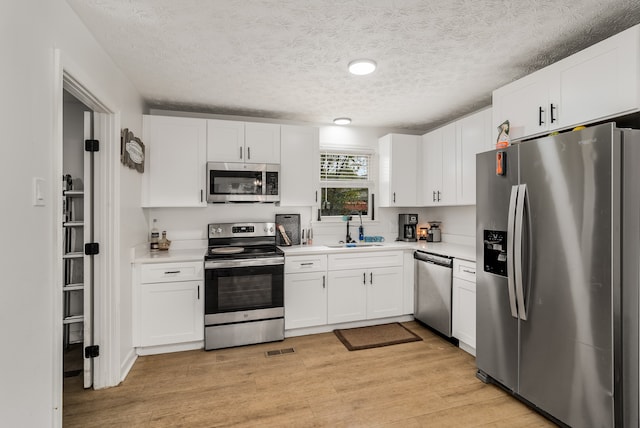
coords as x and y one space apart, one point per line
368 184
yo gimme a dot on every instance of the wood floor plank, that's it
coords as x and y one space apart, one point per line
322 384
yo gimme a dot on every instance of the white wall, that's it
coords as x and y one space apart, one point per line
30 30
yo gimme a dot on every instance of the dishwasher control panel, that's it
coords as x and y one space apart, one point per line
495 252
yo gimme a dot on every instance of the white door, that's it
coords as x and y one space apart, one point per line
88 260
432 166
299 166
384 295
225 141
404 170
347 299
305 300
262 143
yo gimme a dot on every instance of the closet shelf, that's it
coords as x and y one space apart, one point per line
74 319
73 224
73 287
75 255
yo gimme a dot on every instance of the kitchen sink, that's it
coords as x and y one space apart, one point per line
355 245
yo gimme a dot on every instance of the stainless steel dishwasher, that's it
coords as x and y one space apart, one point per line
433 291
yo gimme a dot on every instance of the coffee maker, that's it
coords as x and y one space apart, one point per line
407 224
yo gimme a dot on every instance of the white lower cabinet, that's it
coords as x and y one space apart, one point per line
169 310
464 304
365 292
305 291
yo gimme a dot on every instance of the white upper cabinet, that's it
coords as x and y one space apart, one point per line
448 157
225 141
262 142
600 82
398 170
473 136
439 166
175 162
525 103
231 141
299 166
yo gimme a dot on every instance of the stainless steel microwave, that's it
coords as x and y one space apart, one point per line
243 182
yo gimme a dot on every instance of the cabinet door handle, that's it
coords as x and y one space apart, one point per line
394 197
240 152
434 196
172 272
553 108
469 271
248 153
201 195
438 196
364 278
540 112
306 264
198 292
324 281
371 278
316 196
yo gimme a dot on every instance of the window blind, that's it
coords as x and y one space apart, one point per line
335 166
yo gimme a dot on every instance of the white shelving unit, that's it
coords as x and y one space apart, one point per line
73 257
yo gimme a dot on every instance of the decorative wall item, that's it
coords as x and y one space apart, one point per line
131 151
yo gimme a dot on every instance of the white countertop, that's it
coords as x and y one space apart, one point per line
172 255
466 252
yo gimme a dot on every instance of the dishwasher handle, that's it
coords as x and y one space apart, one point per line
433 259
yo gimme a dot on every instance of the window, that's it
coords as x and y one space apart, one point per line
344 182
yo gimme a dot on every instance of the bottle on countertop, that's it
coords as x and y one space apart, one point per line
310 236
155 236
164 243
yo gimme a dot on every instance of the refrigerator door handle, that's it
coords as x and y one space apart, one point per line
522 196
510 268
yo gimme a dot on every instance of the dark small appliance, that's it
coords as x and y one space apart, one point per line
407 224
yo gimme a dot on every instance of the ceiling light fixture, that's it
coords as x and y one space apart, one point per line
360 67
342 121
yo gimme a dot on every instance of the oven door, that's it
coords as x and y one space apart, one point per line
244 290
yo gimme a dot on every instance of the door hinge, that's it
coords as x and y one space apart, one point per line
91 145
92 351
92 248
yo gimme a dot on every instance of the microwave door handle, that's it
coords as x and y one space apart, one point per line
522 196
510 235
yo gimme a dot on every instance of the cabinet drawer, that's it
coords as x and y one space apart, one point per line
464 269
372 259
170 272
299 264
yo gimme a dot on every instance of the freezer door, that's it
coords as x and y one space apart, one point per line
496 327
566 351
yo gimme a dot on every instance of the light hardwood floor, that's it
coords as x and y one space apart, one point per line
420 384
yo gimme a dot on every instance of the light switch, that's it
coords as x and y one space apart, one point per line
39 199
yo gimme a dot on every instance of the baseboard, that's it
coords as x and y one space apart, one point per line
467 348
127 364
165 349
330 327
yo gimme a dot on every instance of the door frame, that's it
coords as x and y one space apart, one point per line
106 228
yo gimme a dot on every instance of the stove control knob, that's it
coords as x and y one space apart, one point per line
271 229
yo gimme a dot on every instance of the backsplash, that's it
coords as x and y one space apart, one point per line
191 223
458 223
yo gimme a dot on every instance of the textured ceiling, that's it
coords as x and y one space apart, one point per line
287 59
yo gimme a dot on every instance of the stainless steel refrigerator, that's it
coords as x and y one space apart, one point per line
558 236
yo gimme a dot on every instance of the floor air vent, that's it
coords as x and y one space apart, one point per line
280 352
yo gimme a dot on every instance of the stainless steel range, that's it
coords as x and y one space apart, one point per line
244 285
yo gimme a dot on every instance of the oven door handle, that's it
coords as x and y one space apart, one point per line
267 261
